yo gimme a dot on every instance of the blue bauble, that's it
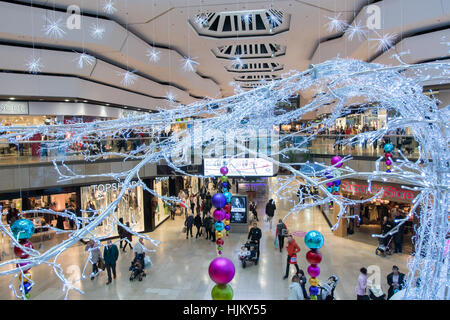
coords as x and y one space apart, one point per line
337 182
227 227
388 147
328 175
313 291
228 196
219 226
23 229
219 200
330 189
336 188
224 184
314 239
224 190
27 287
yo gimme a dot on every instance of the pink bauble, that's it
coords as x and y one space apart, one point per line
313 271
330 184
219 215
227 216
388 162
335 160
224 171
221 270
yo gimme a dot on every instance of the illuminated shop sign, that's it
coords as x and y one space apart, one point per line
111 186
8 107
247 167
390 192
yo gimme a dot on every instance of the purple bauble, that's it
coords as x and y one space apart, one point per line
330 184
313 290
224 170
335 160
313 271
227 216
219 215
219 200
221 270
227 228
388 162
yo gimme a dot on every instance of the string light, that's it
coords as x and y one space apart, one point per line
84 58
97 30
34 64
108 7
153 55
189 64
128 77
54 27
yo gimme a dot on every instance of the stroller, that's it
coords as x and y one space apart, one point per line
326 290
251 259
384 247
137 268
376 294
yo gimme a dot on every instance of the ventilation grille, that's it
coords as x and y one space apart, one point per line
257 77
255 67
240 23
250 50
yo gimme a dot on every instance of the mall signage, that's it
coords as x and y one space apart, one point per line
13 107
111 186
391 192
246 167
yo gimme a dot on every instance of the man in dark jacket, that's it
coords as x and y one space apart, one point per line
255 235
198 225
281 233
395 280
270 211
110 255
189 223
398 236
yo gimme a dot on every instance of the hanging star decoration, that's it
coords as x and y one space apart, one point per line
97 30
128 77
54 28
153 55
170 96
108 7
34 64
386 41
84 58
189 64
247 18
356 29
336 24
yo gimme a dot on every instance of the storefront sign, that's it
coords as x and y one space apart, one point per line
12 107
391 192
238 211
247 167
111 186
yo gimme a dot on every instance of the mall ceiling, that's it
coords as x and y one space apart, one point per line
269 37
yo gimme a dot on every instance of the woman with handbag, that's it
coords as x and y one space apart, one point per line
95 257
292 249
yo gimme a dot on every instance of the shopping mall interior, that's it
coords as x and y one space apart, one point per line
224 150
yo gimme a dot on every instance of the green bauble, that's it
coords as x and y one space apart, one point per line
222 292
224 178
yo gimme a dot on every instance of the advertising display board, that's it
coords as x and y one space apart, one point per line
238 167
238 209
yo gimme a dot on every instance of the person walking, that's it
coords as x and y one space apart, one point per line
396 281
281 232
362 285
110 255
94 256
198 225
295 290
270 211
292 248
122 233
129 237
253 210
398 236
189 223
255 235
302 281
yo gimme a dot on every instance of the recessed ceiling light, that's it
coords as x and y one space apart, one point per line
125 107
85 101
107 104
12 98
138 109
67 100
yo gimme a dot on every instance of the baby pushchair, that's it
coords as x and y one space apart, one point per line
384 246
253 258
376 294
137 268
326 290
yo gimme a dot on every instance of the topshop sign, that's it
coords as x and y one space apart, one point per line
102 188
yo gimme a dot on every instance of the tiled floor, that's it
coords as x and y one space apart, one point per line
180 266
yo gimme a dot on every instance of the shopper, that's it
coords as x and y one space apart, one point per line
198 225
110 255
255 235
292 249
129 237
281 232
189 223
270 211
302 281
396 281
362 285
207 223
94 256
398 236
122 233
295 290
139 250
253 210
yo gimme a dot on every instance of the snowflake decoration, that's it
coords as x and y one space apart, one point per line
34 64
170 96
237 62
97 31
84 58
247 18
108 7
54 28
356 28
336 24
189 64
202 20
153 55
128 77
386 41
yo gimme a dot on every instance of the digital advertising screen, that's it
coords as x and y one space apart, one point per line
238 209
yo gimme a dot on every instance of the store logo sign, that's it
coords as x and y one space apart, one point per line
10 107
389 191
74 20
111 186
374 17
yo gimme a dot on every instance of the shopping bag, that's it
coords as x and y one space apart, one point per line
147 262
293 259
184 229
275 243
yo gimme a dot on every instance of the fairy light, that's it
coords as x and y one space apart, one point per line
34 64
189 64
336 24
54 27
84 59
108 7
153 55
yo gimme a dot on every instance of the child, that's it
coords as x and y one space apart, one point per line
252 254
244 253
